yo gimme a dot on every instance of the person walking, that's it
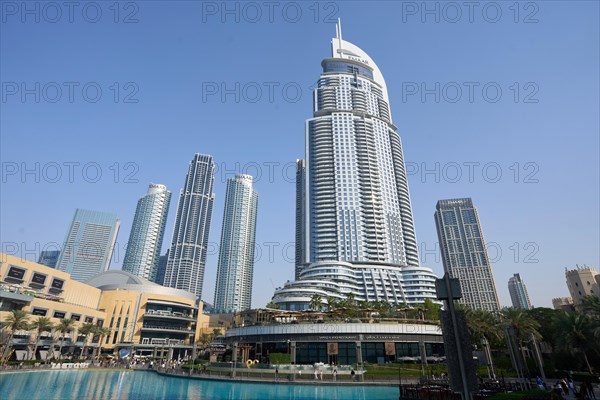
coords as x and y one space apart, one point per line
571 387
321 374
316 375
334 374
277 373
353 374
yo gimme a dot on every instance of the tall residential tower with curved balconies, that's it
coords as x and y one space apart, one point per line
355 228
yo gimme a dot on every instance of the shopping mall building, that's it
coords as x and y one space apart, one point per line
142 317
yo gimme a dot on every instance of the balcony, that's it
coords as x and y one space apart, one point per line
159 328
173 315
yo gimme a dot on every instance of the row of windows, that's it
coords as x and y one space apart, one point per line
44 312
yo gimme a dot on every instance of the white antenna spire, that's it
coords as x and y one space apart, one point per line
338 28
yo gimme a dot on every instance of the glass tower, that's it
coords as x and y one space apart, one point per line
464 253
233 290
147 232
518 292
187 255
89 244
300 216
49 258
354 225
161 269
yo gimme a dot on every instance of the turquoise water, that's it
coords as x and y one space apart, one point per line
54 385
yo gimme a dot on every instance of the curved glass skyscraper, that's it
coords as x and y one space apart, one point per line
356 226
147 232
233 290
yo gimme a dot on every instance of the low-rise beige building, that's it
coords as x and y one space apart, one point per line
147 318
46 292
143 318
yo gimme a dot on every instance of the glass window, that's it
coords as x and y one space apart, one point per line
39 311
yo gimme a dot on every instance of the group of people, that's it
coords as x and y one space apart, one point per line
566 387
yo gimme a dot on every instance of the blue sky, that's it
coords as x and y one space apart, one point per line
158 68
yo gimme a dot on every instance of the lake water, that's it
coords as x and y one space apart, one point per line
54 385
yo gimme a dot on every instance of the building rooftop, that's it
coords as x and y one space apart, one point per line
121 280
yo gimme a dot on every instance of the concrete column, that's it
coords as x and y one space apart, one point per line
359 360
234 359
293 360
170 354
423 353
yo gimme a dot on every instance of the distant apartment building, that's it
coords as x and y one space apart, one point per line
233 289
49 258
464 252
582 281
518 292
147 232
89 244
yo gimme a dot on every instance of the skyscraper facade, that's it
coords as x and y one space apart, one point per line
89 244
147 232
49 258
354 228
518 292
464 253
161 269
187 255
233 290
300 216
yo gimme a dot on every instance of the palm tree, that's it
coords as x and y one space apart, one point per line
574 336
432 310
272 305
591 306
17 320
316 302
41 325
524 327
102 333
216 333
332 303
205 339
64 326
86 329
483 326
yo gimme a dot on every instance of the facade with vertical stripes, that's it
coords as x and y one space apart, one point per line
187 255
354 225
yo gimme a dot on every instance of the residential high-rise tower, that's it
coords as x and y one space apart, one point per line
147 232
89 244
187 255
518 292
464 253
233 289
354 225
